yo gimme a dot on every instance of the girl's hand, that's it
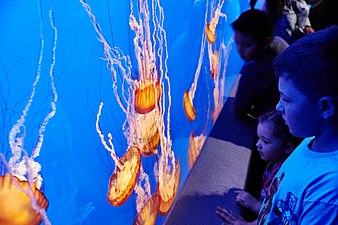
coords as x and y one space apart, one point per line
230 218
247 200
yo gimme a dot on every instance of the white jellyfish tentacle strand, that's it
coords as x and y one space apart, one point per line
114 57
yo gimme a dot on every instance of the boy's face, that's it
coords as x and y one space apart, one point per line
301 115
247 47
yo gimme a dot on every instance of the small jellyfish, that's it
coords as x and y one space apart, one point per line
189 108
210 28
211 36
169 190
195 147
149 212
214 64
142 190
147 95
124 178
219 77
144 131
152 145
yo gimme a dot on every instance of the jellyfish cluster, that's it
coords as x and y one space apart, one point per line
22 201
146 104
217 54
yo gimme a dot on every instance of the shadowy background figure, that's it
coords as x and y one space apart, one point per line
290 17
257 91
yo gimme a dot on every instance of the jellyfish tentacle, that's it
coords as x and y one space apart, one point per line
99 131
52 112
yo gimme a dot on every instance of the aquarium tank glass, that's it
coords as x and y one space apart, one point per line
105 105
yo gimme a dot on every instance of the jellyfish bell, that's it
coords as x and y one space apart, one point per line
218 105
149 212
211 36
145 129
15 204
147 95
189 108
210 28
195 147
123 180
214 64
150 148
169 190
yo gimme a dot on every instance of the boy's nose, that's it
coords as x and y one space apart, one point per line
257 144
279 107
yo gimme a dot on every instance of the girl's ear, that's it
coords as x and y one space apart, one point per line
289 148
326 106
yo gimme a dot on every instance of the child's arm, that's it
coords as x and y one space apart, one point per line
247 200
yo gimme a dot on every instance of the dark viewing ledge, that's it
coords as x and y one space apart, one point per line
221 167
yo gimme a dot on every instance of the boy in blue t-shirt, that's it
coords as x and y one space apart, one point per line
305 189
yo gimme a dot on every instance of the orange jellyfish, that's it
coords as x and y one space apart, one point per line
189 108
210 32
222 55
214 64
218 98
123 180
210 28
15 204
147 95
152 145
195 147
149 212
169 190
144 131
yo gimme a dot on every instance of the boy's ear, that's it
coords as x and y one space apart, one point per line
326 106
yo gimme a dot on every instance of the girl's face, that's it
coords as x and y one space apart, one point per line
247 48
268 145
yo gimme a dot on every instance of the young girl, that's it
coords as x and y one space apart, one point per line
275 143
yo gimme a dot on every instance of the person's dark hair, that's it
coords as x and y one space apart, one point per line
255 23
279 128
311 63
275 8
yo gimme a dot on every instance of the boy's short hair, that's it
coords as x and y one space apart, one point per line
255 23
312 64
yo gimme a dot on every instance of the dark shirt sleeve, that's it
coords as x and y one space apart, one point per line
257 91
245 96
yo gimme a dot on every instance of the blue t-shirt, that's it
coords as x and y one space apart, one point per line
304 191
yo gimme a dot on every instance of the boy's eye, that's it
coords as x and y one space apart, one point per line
284 99
266 142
